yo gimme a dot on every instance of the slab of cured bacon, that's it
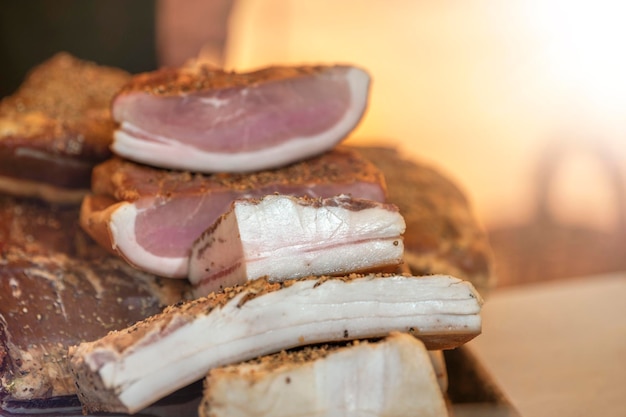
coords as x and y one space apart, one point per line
393 377
283 237
204 119
151 217
128 370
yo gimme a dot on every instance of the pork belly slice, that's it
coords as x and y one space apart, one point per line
204 119
283 237
56 127
151 217
393 377
128 370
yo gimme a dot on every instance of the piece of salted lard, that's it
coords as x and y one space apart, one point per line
128 370
151 217
393 377
283 237
204 119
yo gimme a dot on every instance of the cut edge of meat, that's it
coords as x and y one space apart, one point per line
117 235
285 237
171 153
122 228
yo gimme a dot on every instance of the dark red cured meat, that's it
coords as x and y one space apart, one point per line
58 288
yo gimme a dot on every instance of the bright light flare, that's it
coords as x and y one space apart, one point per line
585 47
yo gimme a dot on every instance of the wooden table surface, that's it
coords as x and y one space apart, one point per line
558 348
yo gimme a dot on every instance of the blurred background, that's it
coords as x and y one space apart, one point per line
522 103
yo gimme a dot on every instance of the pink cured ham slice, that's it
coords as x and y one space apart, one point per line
283 237
206 120
151 217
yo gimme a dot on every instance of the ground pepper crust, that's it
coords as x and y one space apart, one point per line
88 84
299 355
343 201
201 77
346 202
128 181
62 107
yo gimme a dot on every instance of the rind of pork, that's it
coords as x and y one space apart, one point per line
392 377
207 120
58 124
122 214
120 373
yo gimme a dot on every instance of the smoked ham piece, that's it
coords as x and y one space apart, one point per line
57 288
284 237
393 377
151 217
203 119
128 370
56 127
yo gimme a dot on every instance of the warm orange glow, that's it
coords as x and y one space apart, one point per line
480 88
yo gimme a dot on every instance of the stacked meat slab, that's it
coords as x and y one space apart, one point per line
238 184
57 287
280 123
270 220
